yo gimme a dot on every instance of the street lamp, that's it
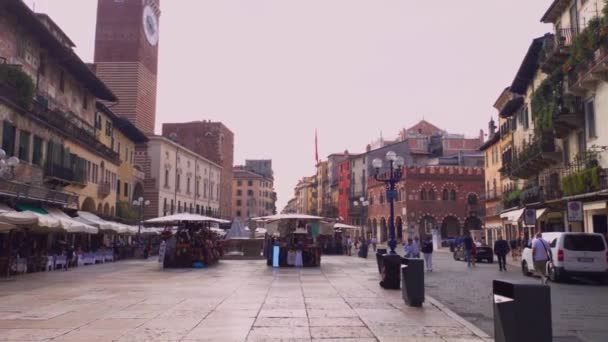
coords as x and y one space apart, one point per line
141 204
363 203
395 163
7 165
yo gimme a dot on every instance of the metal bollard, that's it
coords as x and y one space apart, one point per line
412 281
522 312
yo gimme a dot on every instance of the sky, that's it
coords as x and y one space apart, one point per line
274 71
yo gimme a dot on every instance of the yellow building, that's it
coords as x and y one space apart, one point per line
50 126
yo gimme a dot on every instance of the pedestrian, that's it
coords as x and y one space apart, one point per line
349 245
467 242
474 254
501 249
416 247
69 256
407 248
541 255
427 253
514 249
374 243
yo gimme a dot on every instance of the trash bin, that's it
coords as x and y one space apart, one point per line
522 312
363 251
391 268
412 281
379 253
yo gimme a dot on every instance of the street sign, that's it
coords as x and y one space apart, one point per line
530 217
575 211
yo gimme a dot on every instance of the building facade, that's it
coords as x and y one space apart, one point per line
48 121
253 194
213 141
126 56
447 198
178 179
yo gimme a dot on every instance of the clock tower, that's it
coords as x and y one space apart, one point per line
126 56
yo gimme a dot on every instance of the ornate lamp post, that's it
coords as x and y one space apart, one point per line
392 177
140 204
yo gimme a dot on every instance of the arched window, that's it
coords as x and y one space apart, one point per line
432 195
397 195
381 198
445 195
371 199
423 195
453 195
472 199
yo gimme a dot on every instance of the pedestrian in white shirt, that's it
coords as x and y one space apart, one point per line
541 255
416 248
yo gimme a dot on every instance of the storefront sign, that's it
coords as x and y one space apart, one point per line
575 211
530 217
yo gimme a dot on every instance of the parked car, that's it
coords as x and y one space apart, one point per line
483 253
574 254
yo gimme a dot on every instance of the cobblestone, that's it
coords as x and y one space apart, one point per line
233 301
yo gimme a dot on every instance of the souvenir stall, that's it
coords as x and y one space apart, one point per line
192 244
291 240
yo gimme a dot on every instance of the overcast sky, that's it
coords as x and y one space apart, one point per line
274 71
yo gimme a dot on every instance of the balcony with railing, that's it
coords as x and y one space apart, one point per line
37 193
557 50
536 156
511 199
103 189
61 175
587 64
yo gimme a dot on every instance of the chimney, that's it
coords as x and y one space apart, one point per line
481 135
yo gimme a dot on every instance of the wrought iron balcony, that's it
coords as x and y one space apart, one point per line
78 129
103 189
511 199
62 176
557 50
535 156
588 74
37 193
531 194
569 115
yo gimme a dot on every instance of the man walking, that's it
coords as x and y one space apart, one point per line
501 249
468 248
374 242
427 253
541 255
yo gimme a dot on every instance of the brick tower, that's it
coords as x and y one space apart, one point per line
126 56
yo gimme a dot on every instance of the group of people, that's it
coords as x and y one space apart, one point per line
414 247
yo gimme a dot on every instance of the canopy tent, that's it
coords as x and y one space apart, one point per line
69 224
237 231
279 217
94 220
344 226
183 217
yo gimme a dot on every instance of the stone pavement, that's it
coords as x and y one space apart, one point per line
233 301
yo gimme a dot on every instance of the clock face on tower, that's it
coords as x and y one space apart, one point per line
150 23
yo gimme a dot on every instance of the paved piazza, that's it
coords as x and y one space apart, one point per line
233 301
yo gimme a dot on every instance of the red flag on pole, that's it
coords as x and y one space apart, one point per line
316 148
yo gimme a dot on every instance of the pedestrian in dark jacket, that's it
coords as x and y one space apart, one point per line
501 249
468 248
427 253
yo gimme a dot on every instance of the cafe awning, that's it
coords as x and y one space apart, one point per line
69 224
512 216
96 221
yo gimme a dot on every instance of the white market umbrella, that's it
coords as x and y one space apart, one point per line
69 224
184 217
280 217
94 220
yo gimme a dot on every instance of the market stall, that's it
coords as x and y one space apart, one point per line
291 240
192 244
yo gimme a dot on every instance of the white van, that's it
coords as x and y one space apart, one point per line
574 254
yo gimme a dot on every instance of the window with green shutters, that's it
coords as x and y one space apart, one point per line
8 138
24 146
37 152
